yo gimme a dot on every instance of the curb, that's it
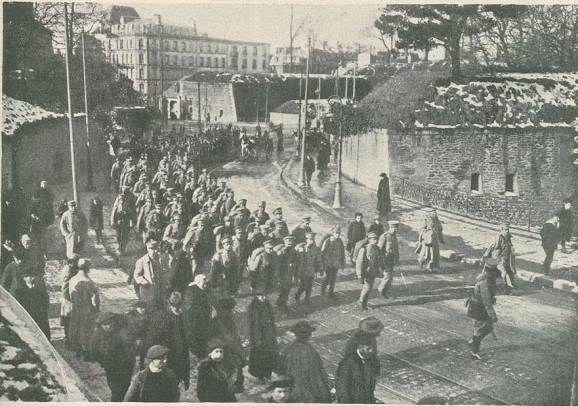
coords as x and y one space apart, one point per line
451 255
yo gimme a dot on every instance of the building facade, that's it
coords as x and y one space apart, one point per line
322 61
154 55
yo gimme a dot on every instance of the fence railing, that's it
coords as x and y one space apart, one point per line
509 209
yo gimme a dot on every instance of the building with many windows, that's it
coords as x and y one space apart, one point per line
154 55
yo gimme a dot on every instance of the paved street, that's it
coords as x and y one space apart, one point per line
423 347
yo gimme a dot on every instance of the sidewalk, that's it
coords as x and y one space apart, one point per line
465 238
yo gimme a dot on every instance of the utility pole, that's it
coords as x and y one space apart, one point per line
337 196
304 140
70 118
299 134
267 103
89 185
319 101
346 87
199 105
354 77
161 53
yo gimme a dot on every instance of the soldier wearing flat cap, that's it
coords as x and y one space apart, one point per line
225 271
150 274
264 265
368 266
278 224
123 217
310 264
73 227
200 243
114 353
302 229
156 383
155 222
288 262
333 255
303 364
357 372
389 249
166 326
260 216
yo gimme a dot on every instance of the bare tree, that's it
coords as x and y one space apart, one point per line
82 16
293 33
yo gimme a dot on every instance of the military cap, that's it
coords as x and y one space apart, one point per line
302 328
306 218
289 239
204 170
71 203
281 381
278 210
372 235
176 216
105 317
218 229
157 352
243 201
269 244
393 223
237 229
262 203
264 227
84 263
310 234
371 326
226 239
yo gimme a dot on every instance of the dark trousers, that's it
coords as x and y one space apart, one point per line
549 258
283 294
118 384
305 285
481 329
122 234
98 232
329 281
308 176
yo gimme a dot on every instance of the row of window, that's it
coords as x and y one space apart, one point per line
510 184
216 62
182 46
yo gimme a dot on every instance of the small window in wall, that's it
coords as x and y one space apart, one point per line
511 183
475 184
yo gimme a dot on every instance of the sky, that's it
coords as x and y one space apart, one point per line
348 23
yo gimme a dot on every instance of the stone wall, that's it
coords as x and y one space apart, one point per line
435 167
41 151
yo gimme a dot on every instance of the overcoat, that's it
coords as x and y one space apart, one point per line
355 380
197 317
263 351
85 307
383 196
212 383
302 363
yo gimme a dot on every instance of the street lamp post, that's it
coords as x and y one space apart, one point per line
89 183
338 103
70 117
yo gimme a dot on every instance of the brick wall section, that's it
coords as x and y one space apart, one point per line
435 167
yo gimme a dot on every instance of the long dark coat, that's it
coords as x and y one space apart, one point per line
166 328
263 352
113 353
212 383
383 196
550 236
302 363
180 273
147 386
355 233
197 316
95 216
355 380
35 300
566 223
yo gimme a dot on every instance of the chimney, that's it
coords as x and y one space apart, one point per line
157 19
195 26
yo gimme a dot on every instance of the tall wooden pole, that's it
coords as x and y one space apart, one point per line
304 137
199 105
299 133
89 185
162 84
70 117
354 77
267 103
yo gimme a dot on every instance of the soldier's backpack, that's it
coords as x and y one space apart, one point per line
359 245
254 259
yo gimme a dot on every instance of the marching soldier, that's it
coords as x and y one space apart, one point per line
174 231
225 269
302 229
503 250
389 248
288 262
310 263
333 255
122 217
200 243
154 223
260 216
278 224
73 226
368 267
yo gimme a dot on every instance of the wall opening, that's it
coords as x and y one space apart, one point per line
475 184
511 183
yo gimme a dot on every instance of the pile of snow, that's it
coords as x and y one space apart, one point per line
15 113
516 100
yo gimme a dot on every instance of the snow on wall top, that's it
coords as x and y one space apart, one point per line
16 113
513 100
